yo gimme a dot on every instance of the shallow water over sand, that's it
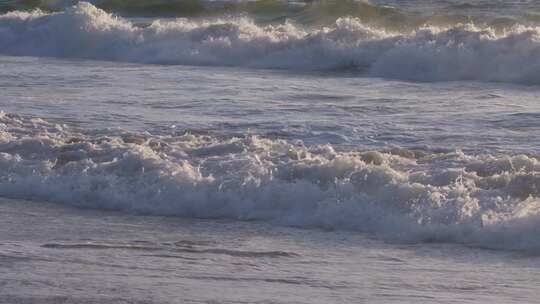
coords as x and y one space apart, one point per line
77 256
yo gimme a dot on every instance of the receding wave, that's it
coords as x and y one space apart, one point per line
483 200
190 249
428 54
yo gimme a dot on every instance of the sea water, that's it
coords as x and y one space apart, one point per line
270 152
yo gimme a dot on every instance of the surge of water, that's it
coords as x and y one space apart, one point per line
404 195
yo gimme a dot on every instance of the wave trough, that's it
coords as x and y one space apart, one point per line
429 54
404 195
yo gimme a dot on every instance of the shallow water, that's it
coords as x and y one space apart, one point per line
76 256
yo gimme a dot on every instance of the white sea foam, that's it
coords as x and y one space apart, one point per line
413 196
429 54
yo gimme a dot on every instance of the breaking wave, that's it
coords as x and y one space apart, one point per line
395 15
428 54
489 201
197 8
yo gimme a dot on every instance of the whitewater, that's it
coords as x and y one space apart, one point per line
430 53
269 151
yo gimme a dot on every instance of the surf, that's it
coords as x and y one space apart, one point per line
397 194
464 52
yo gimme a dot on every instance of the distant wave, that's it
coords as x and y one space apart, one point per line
489 201
429 54
308 12
191 8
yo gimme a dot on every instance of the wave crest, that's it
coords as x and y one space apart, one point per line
429 54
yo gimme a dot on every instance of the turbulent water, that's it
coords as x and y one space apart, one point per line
408 122
409 195
464 51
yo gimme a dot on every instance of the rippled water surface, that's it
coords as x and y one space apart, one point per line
93 257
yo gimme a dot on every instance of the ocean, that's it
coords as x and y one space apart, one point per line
269 151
